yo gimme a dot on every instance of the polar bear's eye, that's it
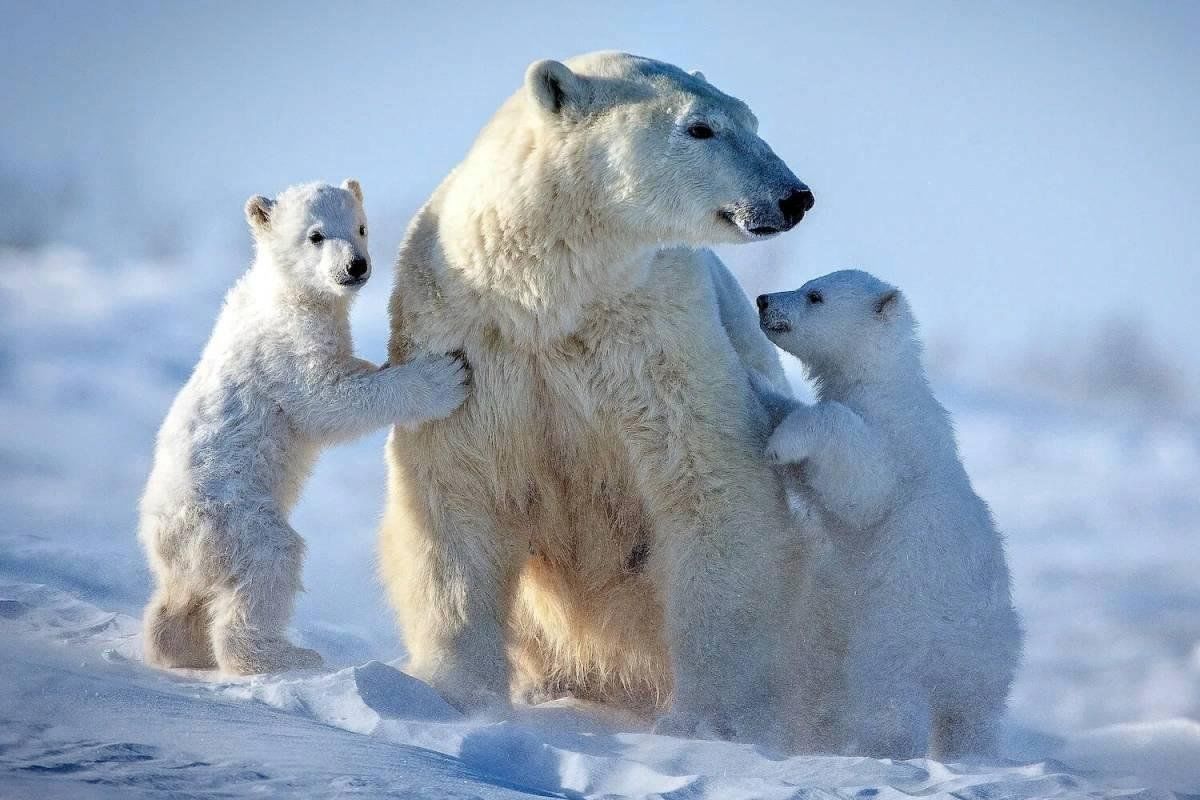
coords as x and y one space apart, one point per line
362 230
316 237
815 297
698 130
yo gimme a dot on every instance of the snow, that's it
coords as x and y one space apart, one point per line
1099 508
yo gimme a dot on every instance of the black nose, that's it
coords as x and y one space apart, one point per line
762 302
796 203
357 268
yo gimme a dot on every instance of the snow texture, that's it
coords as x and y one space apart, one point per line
1100 512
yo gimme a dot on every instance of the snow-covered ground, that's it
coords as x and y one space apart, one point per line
1100 509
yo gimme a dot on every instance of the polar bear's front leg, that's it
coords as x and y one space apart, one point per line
845 460
450 579
726 612
722 546
360 398
795 437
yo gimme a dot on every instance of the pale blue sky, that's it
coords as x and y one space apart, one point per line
1019 168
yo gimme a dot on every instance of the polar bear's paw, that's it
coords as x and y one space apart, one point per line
301 658
785 448
677 724
792 441
267 658
688 725
437 385
468 693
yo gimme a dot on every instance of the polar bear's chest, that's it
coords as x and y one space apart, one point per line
568 483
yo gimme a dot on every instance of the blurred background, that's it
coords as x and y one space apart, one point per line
1029 173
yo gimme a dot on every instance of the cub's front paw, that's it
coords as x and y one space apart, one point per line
442 383
786 447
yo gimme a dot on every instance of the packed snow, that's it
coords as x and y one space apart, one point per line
1098 505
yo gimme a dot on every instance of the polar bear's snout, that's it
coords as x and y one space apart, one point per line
773 313
356 272
795 204
762 219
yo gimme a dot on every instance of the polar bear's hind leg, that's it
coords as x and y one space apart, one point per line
251 610
176 631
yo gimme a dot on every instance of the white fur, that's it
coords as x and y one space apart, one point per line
597 520
277 381
924 600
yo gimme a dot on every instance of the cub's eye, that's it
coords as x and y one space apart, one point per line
698 130
316 237
362 230
815 297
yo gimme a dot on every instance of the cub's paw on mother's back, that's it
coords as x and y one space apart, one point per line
793 441
436 386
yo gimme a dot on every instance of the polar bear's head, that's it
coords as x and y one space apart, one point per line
314 236
847 324
673 158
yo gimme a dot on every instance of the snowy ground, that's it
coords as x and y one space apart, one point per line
1101 513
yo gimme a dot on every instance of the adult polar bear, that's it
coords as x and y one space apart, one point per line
598 518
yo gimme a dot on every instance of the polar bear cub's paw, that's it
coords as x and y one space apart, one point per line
262 657
437 385
793 441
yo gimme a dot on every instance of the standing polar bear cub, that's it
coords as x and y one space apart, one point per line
277 381
598 520
933 639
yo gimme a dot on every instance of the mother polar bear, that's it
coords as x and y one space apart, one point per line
598 519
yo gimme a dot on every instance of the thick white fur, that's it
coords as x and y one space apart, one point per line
277 381
924 600
597 519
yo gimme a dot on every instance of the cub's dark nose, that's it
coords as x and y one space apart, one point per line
357 268
796 203
763 302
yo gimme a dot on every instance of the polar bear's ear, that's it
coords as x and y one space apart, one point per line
886 303
258 212
554 87
698 75
353 187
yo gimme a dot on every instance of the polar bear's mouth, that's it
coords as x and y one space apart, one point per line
746 227
777 325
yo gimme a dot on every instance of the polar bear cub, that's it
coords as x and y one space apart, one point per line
277 381
932 636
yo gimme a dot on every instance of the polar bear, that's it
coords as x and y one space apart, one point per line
597 519
932 636
277 381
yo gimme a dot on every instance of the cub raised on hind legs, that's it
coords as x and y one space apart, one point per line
277 381
925 603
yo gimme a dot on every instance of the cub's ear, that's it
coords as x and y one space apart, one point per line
258 212
554 87
698 75
886 304
353 186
